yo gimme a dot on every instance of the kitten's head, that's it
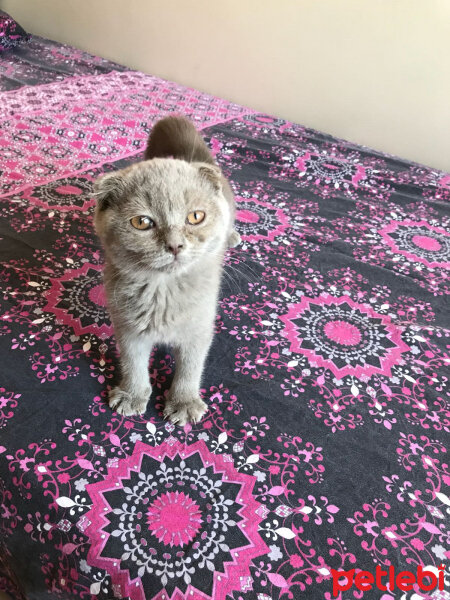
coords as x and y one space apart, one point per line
162 214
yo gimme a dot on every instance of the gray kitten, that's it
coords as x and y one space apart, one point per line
165 224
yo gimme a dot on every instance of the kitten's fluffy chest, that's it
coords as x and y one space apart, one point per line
165 307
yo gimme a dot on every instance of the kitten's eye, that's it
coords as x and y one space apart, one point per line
196 217
142 222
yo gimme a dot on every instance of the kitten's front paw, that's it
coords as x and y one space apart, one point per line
127 404
181 411
234 239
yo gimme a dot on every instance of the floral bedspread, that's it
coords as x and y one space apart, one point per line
324 447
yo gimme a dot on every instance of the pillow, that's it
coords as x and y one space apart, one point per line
11 33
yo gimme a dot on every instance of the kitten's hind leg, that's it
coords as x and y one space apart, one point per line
183 403
131 396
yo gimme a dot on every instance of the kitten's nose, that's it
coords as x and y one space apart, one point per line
174 248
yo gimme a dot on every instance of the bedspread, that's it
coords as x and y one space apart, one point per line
324 445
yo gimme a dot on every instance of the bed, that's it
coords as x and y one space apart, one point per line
324 446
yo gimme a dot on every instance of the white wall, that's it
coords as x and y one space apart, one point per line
372 71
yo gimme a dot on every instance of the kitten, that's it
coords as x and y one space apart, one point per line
165 224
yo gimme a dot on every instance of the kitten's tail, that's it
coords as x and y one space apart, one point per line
177 137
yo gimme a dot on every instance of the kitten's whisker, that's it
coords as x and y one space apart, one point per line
242 274
251 276
252 271
245 264
194 135
234 276
230 279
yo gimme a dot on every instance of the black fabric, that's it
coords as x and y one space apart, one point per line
11 33
324 445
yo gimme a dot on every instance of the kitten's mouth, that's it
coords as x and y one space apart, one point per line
174 264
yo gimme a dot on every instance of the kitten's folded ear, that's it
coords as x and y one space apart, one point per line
211 174
108 189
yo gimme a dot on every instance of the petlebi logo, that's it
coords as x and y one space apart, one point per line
425 579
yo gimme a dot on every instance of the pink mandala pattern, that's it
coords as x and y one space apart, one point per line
418 242
78 299
174 518
206 509
66 196
342 332
341 335
332 172
259 220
